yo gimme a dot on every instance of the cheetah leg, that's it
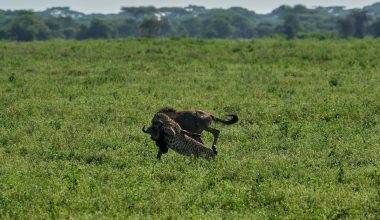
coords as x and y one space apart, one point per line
214 150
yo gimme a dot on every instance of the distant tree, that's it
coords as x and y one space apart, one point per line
82 32
62 12
173 12
191 21
3 28
291 26
190 27
98 29
217 27
301 9
3 34
360 22
53 23
285 10
375 28
166 28
128 28
354 24
2 16
26 26
282 10
149 27
60 23
69 27
264 29
195 9
346 26
56 26
139 12
243 26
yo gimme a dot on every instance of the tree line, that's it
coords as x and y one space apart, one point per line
191 21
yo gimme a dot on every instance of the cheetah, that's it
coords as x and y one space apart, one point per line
168 133
196 121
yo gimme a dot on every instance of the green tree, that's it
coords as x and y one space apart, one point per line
69 27
291 26
26 26
3 34
98 29
166 28
354 24
82 32
55 26
217 27
243 26
346 26
300 9
375 28
139 12
62 27
149 27
264 29
127 28
360 22
190 27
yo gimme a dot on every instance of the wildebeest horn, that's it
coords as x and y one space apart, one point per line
146 130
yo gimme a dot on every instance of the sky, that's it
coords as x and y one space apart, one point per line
113 6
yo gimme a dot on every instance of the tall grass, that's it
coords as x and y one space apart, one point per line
307 144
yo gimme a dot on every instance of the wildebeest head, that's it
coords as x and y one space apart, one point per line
156 134
154 130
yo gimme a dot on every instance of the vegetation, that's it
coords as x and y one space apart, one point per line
191 21
307 144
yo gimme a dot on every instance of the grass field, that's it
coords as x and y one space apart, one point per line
307 145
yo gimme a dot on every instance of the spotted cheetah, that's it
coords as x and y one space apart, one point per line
196 121
167 133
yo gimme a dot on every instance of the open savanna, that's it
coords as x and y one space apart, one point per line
307 145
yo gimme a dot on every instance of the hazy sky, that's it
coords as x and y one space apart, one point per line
89 6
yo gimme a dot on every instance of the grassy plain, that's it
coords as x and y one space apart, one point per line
307 145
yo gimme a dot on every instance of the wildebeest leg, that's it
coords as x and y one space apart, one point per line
215 132
190 133
159 154
162 147
195 136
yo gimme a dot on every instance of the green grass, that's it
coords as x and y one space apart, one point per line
307 144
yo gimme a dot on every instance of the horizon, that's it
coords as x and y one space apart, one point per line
98 7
